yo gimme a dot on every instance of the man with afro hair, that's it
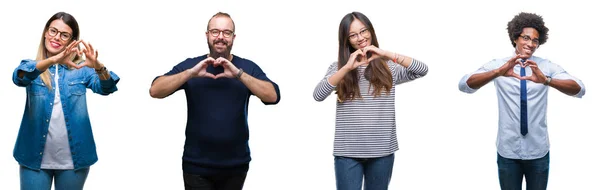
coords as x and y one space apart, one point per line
522 82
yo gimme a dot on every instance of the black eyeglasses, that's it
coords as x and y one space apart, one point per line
527 39
365 33
63 35
217 32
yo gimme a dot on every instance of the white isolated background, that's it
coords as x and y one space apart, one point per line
447 138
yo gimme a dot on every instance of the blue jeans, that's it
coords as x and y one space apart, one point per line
377 172
511 171
42 179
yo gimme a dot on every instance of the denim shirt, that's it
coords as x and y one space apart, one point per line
31 140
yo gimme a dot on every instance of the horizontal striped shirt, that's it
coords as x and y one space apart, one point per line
366 127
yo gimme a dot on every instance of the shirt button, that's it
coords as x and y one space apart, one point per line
40 153
43 136
46 121
50 103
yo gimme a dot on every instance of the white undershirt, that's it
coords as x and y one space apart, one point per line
57 153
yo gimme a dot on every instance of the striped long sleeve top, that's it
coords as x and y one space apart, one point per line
366 128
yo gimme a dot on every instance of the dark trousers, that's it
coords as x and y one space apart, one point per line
218 182
511 171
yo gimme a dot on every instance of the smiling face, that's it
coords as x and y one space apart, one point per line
359 35
220 36
527 42
58 35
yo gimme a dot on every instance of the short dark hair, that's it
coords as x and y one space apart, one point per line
219 14
526 20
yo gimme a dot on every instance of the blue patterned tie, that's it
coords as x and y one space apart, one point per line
523 102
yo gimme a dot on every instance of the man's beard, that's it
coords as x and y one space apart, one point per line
213 52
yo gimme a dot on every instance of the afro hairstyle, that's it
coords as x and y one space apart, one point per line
527 20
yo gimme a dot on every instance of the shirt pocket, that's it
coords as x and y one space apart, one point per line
38 88
77 87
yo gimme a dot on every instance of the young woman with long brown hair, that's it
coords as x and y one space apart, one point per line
364 78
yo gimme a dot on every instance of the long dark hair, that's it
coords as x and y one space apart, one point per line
42 51
377 72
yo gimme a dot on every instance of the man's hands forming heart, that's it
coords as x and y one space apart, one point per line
229 70
507 69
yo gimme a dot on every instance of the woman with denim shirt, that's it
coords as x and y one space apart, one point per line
55 140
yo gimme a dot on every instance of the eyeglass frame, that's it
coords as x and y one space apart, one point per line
527 38
221 32
362 33
58 32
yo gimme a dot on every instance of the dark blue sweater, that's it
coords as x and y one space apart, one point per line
217 121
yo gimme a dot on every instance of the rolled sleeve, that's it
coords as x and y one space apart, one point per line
103 87
464 87
31 72
581 91
494 64
110 85
563 75
557 72
256 72
276 87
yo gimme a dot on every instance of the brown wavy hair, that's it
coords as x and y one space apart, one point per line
43 52
377 72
